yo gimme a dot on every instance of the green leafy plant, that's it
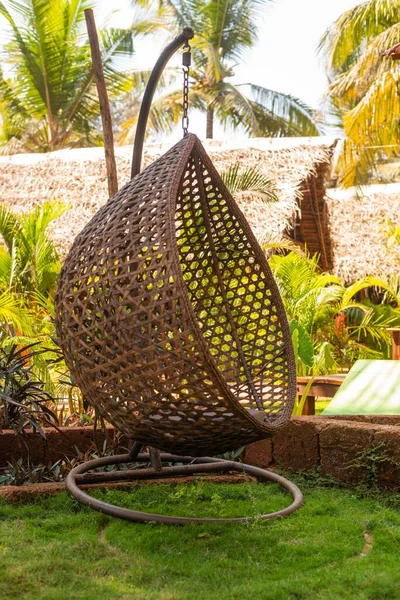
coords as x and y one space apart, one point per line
23 400
234 455
303 346
22 472
330 327
29 262
250 181
372 461
29 268
304 356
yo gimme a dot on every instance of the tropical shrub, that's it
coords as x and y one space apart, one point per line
23 400
29 267
330 327
29 262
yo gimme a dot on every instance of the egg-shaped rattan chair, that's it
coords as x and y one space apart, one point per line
168 315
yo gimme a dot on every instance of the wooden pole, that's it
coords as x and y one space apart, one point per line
395 331
105 112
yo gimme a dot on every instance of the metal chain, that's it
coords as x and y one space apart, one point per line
186 62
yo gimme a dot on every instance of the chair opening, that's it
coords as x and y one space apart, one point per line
230 292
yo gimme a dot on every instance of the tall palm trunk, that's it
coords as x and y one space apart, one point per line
210 123
51 132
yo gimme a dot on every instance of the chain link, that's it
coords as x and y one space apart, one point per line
186 61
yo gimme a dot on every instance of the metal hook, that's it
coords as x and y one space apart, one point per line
183 38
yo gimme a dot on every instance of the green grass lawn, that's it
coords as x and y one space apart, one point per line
339 545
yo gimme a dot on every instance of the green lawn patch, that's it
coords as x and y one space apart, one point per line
339 545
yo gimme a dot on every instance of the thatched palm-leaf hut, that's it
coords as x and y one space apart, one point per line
357 220
298 167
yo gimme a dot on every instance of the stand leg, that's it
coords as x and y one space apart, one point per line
155 459
134 451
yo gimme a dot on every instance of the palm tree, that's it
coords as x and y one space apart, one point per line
364 84
49 101
224 30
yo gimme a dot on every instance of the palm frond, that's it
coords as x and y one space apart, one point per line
364 85
375 327
233 106
51 100
271 244
249 180
225 29
366 283
292 116
343 41
13 314
373 112
10 226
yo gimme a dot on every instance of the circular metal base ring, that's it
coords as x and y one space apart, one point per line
191 466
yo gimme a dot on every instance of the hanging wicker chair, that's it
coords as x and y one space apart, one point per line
169 317
172 325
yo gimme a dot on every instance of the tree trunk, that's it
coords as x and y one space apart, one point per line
210 123
50 131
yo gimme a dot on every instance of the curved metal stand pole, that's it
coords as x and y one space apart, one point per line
192 466
166 54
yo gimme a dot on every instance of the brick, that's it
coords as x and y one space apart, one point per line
389 474
259 454
340 444
296 446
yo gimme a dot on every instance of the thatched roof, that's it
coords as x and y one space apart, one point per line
357 218
78 178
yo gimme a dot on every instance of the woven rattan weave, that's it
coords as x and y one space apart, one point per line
169 317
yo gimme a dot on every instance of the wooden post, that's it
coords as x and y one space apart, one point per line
395 342
309 406
105 112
